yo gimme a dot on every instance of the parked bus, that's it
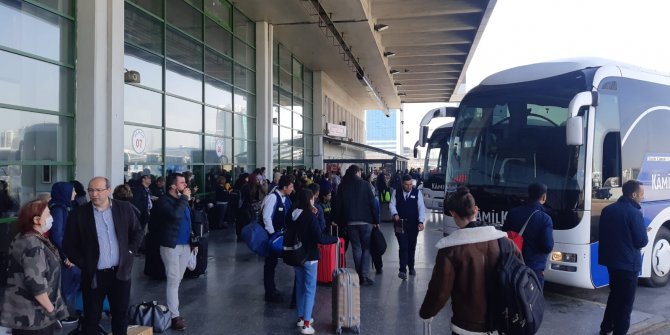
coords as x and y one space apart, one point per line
583 128
435 167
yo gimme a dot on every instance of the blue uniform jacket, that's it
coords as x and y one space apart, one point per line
538 238
622 234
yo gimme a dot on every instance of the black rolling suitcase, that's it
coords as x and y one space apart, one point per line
200 226
153 264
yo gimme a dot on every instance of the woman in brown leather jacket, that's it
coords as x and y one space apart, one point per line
464 268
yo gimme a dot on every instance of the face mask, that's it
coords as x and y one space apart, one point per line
48 224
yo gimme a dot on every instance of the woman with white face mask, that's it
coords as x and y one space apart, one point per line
34 267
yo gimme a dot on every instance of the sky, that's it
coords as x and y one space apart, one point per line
528 31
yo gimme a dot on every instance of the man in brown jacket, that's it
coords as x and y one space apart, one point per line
464 268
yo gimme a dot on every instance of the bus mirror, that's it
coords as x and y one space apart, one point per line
574 131
580 100
423 136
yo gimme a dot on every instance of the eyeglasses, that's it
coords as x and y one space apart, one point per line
96 190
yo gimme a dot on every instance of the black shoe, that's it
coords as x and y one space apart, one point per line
275 297
367 281
380 271
412 272
402 275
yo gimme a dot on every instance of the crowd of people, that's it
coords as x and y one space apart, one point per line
67 246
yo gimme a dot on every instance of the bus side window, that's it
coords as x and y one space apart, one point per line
612 160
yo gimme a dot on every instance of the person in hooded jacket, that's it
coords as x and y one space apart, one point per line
60 205
310 234
465 266
80 198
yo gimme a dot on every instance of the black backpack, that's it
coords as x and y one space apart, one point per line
516 301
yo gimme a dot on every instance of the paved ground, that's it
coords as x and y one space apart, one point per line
229 299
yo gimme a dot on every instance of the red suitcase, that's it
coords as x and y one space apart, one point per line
328 260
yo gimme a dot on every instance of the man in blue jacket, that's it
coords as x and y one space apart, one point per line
621 235
538 237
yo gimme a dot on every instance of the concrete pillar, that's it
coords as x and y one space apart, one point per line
318 116
264 97
99 103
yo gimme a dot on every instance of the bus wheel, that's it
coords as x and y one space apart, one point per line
660 260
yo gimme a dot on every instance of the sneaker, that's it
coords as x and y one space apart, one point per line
402 275
69 320
412 272
178 323
301 322
307 330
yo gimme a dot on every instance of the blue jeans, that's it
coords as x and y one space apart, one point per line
305 289
620 301
359 238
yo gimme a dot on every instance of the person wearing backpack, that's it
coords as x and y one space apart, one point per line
465 269
621 236
535 226
305 225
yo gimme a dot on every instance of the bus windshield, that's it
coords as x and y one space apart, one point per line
436 159
502 142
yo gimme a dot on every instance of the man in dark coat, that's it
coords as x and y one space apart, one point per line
100 238
142 198
621 236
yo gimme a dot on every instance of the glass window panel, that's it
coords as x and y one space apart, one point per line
218 122
309 144
244 54
297 69
275 54
298 156
308 78
243 27
285 137
30 136
285 80
308 110
218 38
143 30
184 49
285 100
147 64
25 183
219 10
218 94
297 87
36 31
297 105
297 122
275 143
184 17
242 151
133 171
298 140
285 116
245 79
182 114
240 127
275 74
285 59
275 115
196 3
307 125
245 103
142 106
181 149
32 83
142 145
154 6
275 94
218 150
64 6
309 93
182 81
218 66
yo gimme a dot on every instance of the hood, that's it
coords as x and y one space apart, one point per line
470 235
296 214
61 193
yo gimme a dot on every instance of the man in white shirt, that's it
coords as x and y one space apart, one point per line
409 213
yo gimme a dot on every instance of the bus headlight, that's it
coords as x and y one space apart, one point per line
563 257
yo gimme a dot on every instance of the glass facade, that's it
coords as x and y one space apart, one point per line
195 107
37 86
292 116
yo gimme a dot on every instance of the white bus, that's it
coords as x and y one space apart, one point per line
435 167
583 128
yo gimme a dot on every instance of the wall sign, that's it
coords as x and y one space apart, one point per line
219 148
336 130
139 141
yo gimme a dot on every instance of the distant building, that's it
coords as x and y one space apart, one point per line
382 131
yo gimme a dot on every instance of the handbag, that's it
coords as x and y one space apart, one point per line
293 251
150 314
517 238
192 260
399 226
276 243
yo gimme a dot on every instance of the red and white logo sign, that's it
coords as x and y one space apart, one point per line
219 148
139 141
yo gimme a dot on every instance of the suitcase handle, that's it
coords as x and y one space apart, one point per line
426 326
337 230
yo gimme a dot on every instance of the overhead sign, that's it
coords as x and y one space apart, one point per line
139 141
336 130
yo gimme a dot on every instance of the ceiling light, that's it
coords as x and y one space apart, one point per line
389 54
394 71
397 84
380 27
